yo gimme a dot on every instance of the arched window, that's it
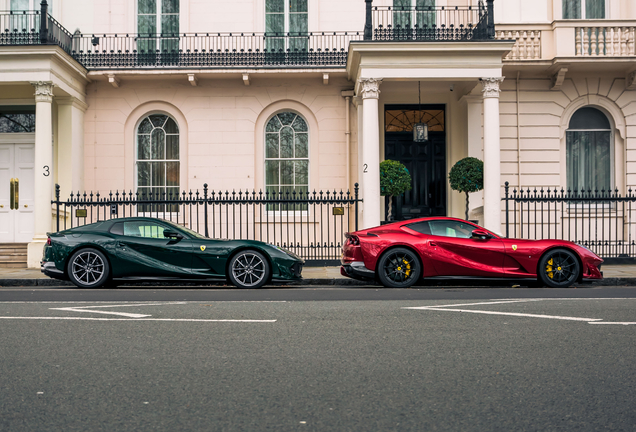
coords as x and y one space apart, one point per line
588 151
158 158
287 154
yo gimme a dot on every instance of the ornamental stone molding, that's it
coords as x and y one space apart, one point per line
370 88
43 91
630 81
490 87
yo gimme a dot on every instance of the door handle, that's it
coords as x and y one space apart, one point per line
16 193
433 244
12 194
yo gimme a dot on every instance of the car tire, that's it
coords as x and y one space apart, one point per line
399 268
559 268
88 268
248 269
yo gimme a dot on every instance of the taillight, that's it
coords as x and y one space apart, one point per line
48 241
354 240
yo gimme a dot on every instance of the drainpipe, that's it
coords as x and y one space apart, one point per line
348 94
368 25
518 136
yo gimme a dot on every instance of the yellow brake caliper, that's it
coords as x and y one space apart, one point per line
548 269
408 267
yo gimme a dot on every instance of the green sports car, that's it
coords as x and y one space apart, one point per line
147 248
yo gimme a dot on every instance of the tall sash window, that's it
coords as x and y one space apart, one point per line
158 27
408 14
588 151
286 18
583 9
158 161
286 156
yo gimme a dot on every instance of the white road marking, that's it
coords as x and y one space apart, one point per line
480 303
506 313
138 319
616 323
129 315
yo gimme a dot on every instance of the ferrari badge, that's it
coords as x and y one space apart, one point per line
514 247
203 248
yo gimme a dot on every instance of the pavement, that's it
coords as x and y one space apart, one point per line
614 275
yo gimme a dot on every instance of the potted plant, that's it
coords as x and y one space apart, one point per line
394 180
467 175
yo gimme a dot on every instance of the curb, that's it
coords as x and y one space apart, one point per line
42 282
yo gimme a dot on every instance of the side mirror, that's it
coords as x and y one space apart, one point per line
481 234
172 235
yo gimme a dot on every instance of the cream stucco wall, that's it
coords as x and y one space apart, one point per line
543 116
221 125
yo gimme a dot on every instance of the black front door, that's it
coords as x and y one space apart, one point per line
426 161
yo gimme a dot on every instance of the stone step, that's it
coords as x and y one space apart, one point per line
23 246
13 264
13 255
8 251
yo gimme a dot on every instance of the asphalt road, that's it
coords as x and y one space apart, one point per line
318 359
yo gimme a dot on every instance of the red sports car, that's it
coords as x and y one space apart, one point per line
401 253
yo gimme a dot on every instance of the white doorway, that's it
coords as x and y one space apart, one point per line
17 202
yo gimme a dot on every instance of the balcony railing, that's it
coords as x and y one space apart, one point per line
26 28
430 23
527 46
213 50
605 41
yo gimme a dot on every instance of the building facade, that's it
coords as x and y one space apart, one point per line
165 96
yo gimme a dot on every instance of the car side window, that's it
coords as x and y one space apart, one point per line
451 228
143 229
421 227
117 229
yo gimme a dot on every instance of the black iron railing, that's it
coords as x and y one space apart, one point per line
26 28
603 221
311 224
263 50
430 23
213 50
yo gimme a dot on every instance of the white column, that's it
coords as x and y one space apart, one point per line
492 157
475 147
43 171
370 180
70 148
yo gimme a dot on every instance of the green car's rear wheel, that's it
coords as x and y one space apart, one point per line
248 269
88 268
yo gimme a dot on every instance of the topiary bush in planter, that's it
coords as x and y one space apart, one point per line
467 175
394 180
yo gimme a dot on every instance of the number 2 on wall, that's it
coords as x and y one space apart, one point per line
364 169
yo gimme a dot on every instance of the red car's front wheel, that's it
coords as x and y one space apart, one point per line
559 268
399 268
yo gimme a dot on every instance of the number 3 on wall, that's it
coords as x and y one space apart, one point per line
364 168
46 172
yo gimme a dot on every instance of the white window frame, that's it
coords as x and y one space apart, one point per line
308 158
141 119
584 10
158 23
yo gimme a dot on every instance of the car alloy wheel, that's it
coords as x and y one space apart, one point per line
399 268
88 268
559 268
249 269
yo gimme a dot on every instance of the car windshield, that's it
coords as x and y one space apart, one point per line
187 230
